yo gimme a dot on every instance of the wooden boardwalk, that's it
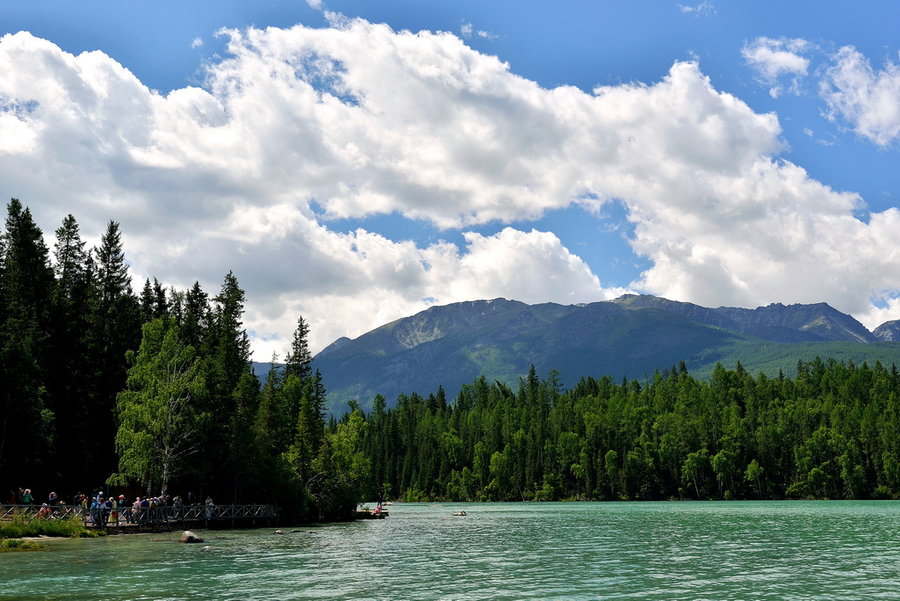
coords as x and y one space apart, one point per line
150 519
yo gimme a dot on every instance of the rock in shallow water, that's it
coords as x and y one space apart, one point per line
189 537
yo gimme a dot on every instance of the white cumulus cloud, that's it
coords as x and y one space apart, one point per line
361 120
773 59
867 99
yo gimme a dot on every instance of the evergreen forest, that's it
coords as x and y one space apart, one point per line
832 431
152 393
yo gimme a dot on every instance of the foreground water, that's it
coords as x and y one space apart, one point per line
687 551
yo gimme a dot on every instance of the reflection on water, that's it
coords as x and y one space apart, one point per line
648 551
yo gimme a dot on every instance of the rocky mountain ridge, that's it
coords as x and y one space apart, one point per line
631 336
888 331
775 322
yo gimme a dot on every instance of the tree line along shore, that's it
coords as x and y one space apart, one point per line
102 388
830 432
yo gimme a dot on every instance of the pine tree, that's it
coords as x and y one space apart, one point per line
266 423
299 360
227 350
241 444
26 424
147 301
153 301
28 278
113 280
71 362
71 257
230 341
116 330
197 315
160 304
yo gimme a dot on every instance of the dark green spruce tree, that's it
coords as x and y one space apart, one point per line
71 361
196 318
229 378
116 329
26 287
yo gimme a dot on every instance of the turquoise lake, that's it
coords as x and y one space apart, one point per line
673 550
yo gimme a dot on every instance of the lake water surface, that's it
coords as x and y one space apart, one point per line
726 551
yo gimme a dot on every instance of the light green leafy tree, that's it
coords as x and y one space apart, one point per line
692 471
341 468
159 421
754 474
611 464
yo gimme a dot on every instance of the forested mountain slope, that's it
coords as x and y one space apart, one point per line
631 336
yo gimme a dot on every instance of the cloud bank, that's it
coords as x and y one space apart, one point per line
363 120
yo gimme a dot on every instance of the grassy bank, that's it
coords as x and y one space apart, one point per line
17 544
11 532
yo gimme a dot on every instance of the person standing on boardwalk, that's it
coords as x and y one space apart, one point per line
114 510
96 511
178 505
124 509
145 510
105 509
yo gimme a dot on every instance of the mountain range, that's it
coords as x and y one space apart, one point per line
631 336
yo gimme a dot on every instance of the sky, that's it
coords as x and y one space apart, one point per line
355 162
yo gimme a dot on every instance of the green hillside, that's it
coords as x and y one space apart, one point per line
631 337
771 357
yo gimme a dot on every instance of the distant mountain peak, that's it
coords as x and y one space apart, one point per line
777 322
343 340
631 336
889 331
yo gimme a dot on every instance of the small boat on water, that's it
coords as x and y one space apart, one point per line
459 513
365 514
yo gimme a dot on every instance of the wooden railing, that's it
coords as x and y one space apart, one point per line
142 517
55 512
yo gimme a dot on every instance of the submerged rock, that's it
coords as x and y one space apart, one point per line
189 537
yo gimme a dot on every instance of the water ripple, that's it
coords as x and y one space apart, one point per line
572 551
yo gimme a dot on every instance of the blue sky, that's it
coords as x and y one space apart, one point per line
718 153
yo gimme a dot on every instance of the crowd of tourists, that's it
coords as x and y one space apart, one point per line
100 509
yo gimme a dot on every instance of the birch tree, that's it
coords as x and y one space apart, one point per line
159 419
